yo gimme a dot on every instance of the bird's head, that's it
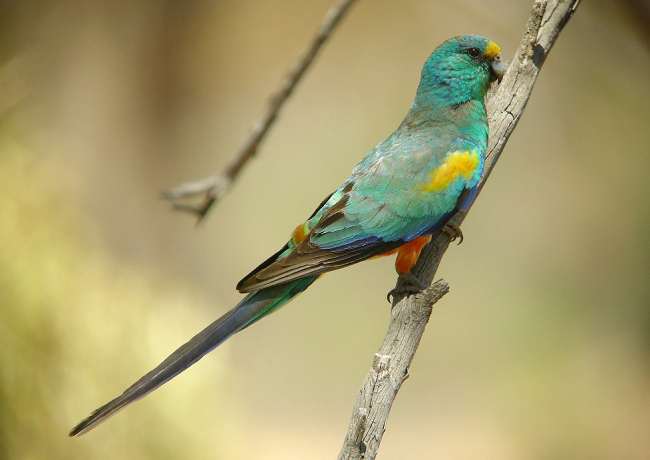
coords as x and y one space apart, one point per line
461 69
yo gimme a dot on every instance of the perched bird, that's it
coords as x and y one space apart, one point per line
402 193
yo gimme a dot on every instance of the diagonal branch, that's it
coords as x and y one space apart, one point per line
410 314
214 187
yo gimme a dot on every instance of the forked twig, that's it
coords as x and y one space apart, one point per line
212 188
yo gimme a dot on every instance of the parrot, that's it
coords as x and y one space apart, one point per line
401 194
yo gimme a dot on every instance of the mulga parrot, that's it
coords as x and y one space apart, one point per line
400 194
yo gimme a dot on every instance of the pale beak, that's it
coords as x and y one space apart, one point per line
498 67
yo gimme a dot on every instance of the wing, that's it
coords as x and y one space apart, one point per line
308 258
388 200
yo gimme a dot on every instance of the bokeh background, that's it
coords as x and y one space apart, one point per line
541 349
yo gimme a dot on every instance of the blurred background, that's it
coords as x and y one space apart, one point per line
541 349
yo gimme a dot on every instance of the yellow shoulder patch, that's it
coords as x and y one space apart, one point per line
456 164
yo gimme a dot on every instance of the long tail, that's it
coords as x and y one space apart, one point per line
253 307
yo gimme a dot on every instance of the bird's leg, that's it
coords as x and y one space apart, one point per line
407 256
408 284
453 231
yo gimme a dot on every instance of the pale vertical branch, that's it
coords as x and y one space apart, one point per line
410 314
389 369
214 187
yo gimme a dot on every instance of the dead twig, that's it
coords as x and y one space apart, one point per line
212 188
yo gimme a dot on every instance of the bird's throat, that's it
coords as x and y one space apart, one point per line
467 120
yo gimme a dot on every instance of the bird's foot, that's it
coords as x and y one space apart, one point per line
409 284
453 231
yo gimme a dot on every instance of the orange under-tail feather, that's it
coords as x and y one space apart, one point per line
407 254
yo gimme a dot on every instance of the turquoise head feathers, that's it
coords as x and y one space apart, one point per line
459 70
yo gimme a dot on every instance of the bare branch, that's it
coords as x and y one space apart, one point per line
410 314
214 187
389 369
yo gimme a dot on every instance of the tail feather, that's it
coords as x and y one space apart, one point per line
253 307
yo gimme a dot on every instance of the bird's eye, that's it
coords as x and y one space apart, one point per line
474 52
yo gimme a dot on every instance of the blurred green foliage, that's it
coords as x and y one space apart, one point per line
541 350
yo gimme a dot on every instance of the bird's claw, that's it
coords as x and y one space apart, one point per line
453 231
409 285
